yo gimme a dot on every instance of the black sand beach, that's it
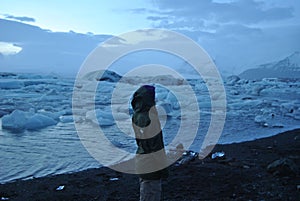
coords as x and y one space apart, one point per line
246 173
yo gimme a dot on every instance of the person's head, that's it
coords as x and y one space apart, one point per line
143 98
142 102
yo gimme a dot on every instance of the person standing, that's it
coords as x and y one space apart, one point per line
151 160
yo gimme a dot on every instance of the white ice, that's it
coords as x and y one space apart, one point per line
11 84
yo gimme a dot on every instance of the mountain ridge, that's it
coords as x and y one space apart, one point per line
288 67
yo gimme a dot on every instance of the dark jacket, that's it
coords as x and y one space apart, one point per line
148 133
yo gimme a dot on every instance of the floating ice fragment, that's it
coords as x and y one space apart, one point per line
66 119
13 84
19 121
60 188
114 179
218 155
38 121
103 117
15 121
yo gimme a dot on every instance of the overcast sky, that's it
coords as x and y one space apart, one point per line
238 34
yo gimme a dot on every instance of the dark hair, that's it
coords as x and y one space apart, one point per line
150 90
143 98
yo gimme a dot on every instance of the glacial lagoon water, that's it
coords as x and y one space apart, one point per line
254 110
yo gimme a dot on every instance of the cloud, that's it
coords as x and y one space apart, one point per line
22 19
33 49
238 29
138 10
9 48
250 12
156 18
247 12
236 33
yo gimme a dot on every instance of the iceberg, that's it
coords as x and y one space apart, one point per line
172 100
53 115
66 118
19 121
103 117
103 75
38 121
13 84
232 80
29 76
15 121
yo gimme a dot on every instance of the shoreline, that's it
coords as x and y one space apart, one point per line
242 175
31 176
100 166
